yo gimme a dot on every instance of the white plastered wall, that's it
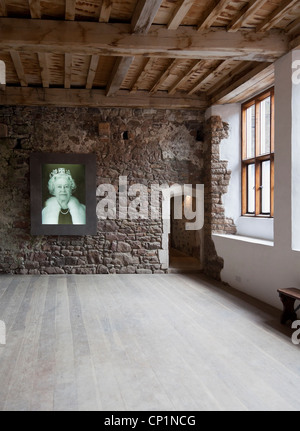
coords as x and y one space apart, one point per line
296 152
260 267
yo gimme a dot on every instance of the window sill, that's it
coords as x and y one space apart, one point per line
258 216
260 228
245 239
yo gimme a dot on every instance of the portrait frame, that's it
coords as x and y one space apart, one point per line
40 165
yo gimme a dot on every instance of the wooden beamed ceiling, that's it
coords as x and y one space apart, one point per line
185 54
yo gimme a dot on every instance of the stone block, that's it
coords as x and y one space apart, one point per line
143 271
129 269
102 269
3 131
123 247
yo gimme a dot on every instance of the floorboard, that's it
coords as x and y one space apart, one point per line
175 342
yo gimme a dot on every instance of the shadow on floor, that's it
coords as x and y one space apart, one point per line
269 317
181 263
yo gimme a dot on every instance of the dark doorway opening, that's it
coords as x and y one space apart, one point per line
184 245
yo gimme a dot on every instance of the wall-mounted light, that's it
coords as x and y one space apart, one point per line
188 202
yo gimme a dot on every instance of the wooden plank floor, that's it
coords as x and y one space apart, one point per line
142 342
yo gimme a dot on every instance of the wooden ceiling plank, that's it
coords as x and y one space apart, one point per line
179 13
247 12
118 74
208 75
212 13
44 69
35 9
276 15
88 38
257 86
237 82
15 56
259 78
163 76
68 70
231 75
140 77
105 10
92 71
182 79
82 97
144 15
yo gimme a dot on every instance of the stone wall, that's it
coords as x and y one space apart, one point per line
216 180
145 145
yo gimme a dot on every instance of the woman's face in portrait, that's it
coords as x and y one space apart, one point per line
62 191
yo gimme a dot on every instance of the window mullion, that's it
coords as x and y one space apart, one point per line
272 125
257 187
257 130
257 164
244 189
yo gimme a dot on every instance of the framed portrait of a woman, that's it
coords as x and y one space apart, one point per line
63 194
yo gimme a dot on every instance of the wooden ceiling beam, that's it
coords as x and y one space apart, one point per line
232 75
256 79
144 15
247 12
97 98
180 12
105 10
276 15
163 76
92 71
295 43
35 9
212 13
237 80
3 10
15 56
118 74
44 69
68 70
257 86
70 10
91 38
208 75
142 19
293 27
140 78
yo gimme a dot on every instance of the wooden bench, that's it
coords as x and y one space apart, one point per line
288 297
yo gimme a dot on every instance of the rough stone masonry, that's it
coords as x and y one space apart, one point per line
147 146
